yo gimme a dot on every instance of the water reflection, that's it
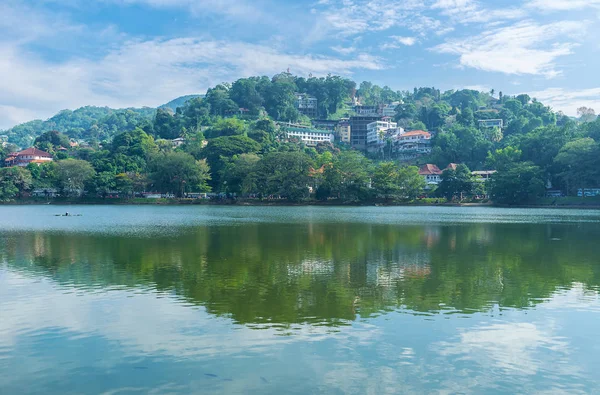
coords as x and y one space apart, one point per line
341 308
322 273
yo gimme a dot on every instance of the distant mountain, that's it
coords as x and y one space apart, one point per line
84 123
179 102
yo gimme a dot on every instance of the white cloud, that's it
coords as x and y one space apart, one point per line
398 41
508 346
563 5
568 101
523 48
343 50
145 73
470 11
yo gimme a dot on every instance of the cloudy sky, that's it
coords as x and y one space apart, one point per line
57 54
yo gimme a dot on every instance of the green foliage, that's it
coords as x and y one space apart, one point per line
73 175
240 174
14 181
578 160
285 174
518 183
178 173
227 127
51 141
456 183
220 149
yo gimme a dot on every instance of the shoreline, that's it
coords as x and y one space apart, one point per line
246 203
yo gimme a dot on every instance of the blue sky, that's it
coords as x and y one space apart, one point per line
57 54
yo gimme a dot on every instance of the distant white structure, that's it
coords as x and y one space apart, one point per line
491 123
389 110
310 137
378 130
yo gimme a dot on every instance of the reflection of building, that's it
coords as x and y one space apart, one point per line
25 157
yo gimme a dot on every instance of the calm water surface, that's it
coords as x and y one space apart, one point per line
179 300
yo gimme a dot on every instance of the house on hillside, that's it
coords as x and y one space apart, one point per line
491 123
310 137
306 104
343 130
433 175
413 144
25 157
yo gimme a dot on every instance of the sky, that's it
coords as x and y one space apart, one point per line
64 54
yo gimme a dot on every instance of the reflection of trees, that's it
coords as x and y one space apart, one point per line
289 273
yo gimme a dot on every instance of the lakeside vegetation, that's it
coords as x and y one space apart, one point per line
130 151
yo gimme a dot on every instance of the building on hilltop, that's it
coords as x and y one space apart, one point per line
342 130
310 137
413 144
433 175
358 130
379 131
25 157
325 124
306 104
389 110
491 123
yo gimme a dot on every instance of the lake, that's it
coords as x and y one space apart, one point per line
272 300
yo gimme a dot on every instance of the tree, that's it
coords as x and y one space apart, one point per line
14 181
586 114
411 182
240 174
73 174
104 182
51 141
178 173
44 175
285 174
222 148
386 180
349 176
519 183
580 161
227 127
501 158
455 183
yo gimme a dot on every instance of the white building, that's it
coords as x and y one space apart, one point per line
306 104
378 130
310 137
389 110
413 144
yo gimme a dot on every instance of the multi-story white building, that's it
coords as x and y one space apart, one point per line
306 104
389 110
413 144
377 130
310 137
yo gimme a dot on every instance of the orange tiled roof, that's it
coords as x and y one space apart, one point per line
416 133
34 152
429 169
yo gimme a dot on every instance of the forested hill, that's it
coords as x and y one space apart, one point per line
86 123
179 102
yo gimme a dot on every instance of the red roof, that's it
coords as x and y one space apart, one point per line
34 152
416 133
429 169
451 166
